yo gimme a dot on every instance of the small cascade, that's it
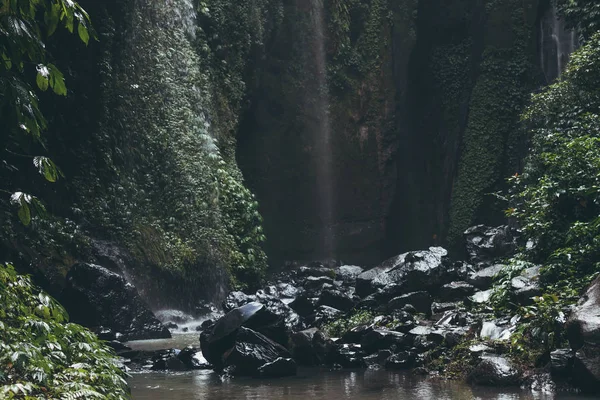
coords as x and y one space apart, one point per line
323 145
556 44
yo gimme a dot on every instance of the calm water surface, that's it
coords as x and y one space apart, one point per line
318 385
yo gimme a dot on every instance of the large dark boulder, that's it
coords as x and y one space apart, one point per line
455 291
310 346
484 278
95 296
279 368
408 272
237 299
252 351
364 281
381 339
583 331
337 299
494 370
486 244
421 301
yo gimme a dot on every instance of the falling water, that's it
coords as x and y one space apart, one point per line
323 146
556 44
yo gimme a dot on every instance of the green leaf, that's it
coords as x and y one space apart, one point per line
83 32
24 214
47 168
57 80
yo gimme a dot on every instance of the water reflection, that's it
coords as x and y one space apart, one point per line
318 385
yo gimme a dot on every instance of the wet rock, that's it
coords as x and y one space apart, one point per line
251 351
494 330
369 303
526 285
454 337
337 299
315 283
304 305
215 341
494 370
377 360
400 361
437 308
323 315
486 244
237 299
364 282
455 291
171 325
279 368
540 382
484 278
309 347
316 269
381 339
192 358
480 348
287 291
418 270
561 363
348 274
168 360
356 334
481 297
346 356
421 301
96 296
583 332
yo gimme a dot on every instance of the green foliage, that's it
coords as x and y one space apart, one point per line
42 356
340 326
557 198
25 26
557 203
584 15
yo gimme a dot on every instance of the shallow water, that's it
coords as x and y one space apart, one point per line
313 384
318 385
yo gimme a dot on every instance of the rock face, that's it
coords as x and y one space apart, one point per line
583 329
95 296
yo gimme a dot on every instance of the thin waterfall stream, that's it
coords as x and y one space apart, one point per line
323 134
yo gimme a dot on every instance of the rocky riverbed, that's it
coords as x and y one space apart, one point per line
419 311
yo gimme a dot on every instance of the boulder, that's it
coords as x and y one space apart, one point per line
95 296
421 301
304 305
484 278
309 347
315 283
251 351
336 299
400 361
486 244
364 281
455 291
237 299
561 363
583 332
346 356
323 315
316 269
481 297
377 360
348 274
381 339
494 370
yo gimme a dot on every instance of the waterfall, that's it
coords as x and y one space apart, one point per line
323 146
556 44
